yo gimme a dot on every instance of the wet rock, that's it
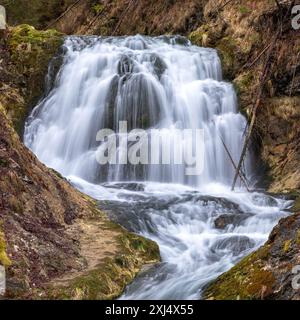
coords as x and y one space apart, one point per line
159 65
127 186
136 43
225 220
235 245
125 66
264 200
266 273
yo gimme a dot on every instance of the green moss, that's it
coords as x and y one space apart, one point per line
228 51
246 281
244 85
244 82
3 163
109 279
27 34
298 238
199 37
30 51
227 48
296 206
96 8
4 260
287 246
244 10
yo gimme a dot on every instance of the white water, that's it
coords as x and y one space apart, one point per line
156 83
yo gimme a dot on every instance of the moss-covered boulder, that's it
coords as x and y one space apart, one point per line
4 260
266 273
27 55
247 280
108 279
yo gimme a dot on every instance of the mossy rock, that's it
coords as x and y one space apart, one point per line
296 206
244 85
207 35
30 53
4 259
199 37
248 280
228 51
108 280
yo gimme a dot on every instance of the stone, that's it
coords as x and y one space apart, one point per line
234 219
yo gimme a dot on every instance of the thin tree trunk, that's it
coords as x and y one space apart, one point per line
63 14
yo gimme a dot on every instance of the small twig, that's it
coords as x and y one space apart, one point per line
243 179
225 4
257 58
102 12
294 74
63 14
122 17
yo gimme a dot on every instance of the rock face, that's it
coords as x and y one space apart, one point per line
107 17
38 13
281 147
47 228
25 54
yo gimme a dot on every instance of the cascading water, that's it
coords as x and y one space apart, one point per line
165 83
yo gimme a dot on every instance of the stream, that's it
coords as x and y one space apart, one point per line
167 84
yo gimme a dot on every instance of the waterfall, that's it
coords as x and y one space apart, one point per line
160 85
150 83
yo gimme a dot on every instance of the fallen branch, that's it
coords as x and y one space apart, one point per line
257 104
122 16
257 58
102 12
243 179
225 4
63 14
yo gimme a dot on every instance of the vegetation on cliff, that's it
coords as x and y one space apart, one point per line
25 60
4 260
